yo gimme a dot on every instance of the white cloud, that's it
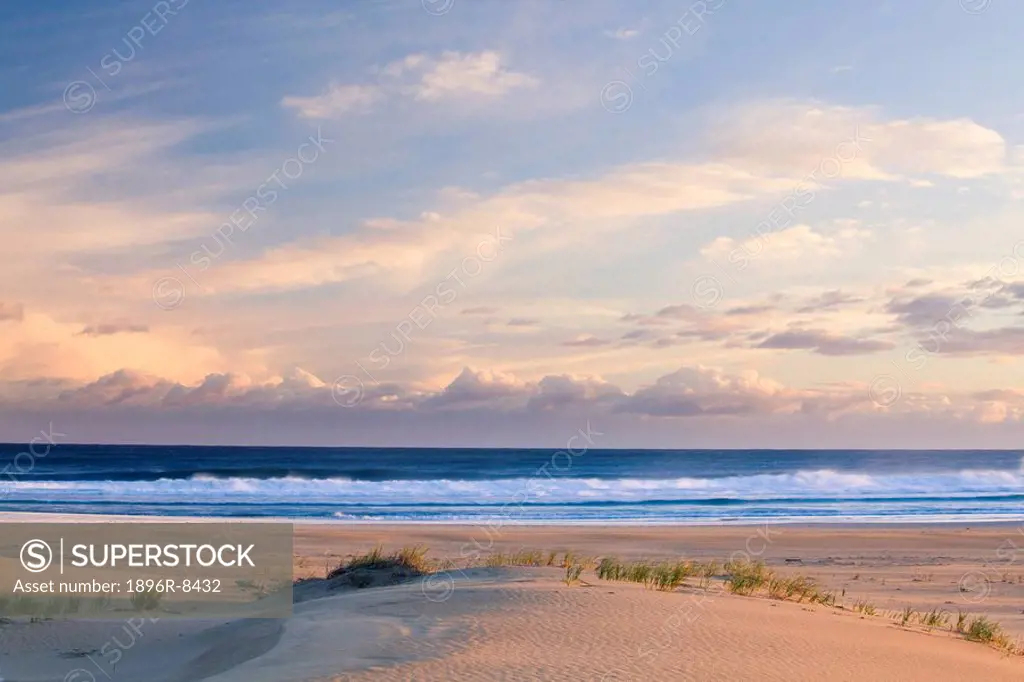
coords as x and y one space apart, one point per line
421 77
456 74
761 149
957 148
623 33
809 135
792 244
335 101
570 206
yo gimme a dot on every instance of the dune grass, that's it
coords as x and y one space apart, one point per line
148 600
747 578
572 573
665 576
981 629
865 607
972 628
754 578
521 557
413 559
936 618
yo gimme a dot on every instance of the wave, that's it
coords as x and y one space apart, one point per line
825 486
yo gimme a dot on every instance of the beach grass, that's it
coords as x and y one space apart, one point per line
148 600
522 557
663 576
572 573
936 618
741 577
412 558
865 607
526 557
981 629
746 577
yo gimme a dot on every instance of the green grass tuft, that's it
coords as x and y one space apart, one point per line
413 558
864 607
521 557
746 577
936 618
981 629
572 573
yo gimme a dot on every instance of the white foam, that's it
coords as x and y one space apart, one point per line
820 484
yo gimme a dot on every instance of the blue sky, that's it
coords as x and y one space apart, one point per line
719 223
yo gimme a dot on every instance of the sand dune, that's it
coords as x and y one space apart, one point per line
536 628
526 624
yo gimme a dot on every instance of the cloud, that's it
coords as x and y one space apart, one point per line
120 388
139 389
456 75
336 100
791 244
941 321
475 388
691 323
958 148
755 156
386 246
683 311
819 139
829 300
953 305
700 391
963 341
925 310
522 322
113 328
666 315
43 345
564 391
751 309
480 310
58 196
452 75
824 343
693 392
623 33
689 391
586 341
11 311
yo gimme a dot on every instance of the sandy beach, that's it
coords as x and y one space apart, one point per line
477 622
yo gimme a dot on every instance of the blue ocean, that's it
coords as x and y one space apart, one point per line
518 486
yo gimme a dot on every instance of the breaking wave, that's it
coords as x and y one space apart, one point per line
806 486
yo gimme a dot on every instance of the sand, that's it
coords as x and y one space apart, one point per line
526 624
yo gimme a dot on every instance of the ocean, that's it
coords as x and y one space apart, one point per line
407 485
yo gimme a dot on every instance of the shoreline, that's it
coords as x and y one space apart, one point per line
900 524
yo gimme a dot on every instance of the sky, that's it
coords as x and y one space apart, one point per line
480 223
